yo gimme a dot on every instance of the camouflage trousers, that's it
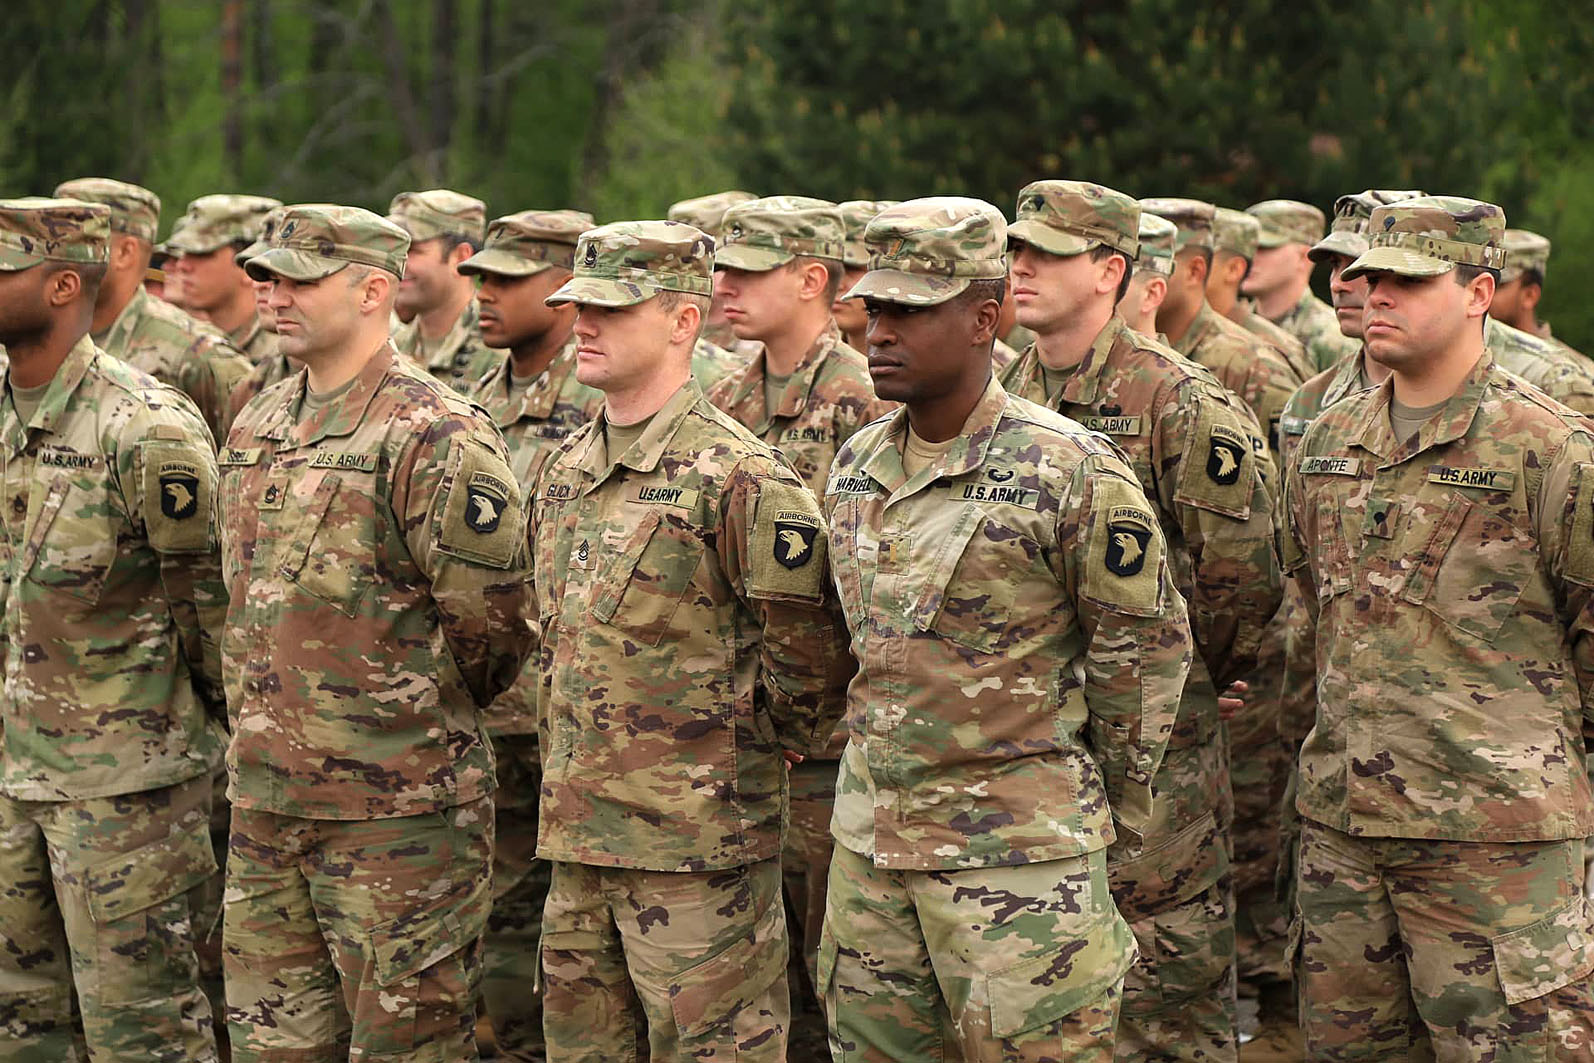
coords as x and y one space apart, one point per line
703 953
520 888
99 896
1013 964
805 855
1443 950
1179 997
356 939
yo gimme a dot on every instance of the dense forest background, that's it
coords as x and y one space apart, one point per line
622 106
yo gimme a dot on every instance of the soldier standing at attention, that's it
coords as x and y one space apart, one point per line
374 550
274 366
1021 649
689 638
1442 533
1190 444
1148 284
149 333
805 392
442 333
849 315
1281 274
536 401
112 698
215 229
1234 237
1516 303
706 213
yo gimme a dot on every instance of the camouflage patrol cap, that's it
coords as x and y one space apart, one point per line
1236 232
1427 236
761 234
1287 221
855 217
315 240
531 241
1348 233
629 262
1157 236
1071 217
268 225
1193 218
926 251
438 212
215 221
135 210
35 230
705 212
1525 250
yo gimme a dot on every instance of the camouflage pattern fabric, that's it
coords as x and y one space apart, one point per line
1179 1000
1245 365
315 240
1428 236
1023 964
805 854
1293 350
272 370
706 212
856 214
439 212
1286 221
632 261
254 341
34 230
135 211
1315 324
519 245
101 902
375 562
925 252
212 222
704 953
356 940
460 359
1563 377
712 364
1002 356
1072 217
165 342
695 559
1195 220
764 233
1440 949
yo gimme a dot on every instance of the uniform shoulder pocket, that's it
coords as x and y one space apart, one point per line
179 485
1123 562
787 545
1218 472
482 517
1580 547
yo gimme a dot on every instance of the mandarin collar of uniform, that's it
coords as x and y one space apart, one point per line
1346 380
1084 384
1204 321
1451 423
62 386
749 386
538 400
443 357
242 336
339 419
124 320
884 463
643 455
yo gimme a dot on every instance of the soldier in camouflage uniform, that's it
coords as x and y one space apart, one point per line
214 230
112 699
1516 303
1441 533
849 315
689 638
1148 284
1021 646
536 401
441 333
276 366
1234 237
706 213
1191 446
805 393
373 543
1281 274
148 333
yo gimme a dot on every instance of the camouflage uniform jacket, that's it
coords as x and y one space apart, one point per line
827 399
1313 397
711 364
534 424
460 358
1021 646
689 635
1562 377
1451 581
1192 447
1315 324
375 557
1002 356
155 336
274 369
113 677
1245 365
254 340
1547 334
1292 349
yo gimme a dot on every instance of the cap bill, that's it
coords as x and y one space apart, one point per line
598 291
750 257
1398 260
295 265
242 258
1342 243
504 263
912 289
1053 241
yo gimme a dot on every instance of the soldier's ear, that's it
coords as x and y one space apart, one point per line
62 287
1479 294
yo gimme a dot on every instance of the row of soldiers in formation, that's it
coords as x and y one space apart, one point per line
520 626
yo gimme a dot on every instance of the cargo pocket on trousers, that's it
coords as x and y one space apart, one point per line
143 924
1046 989
422 992
1194 944
709 999
1543 970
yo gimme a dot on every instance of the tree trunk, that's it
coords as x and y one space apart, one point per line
232 125
398 76
445 28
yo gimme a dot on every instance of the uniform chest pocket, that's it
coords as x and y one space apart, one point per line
72 544
1469 565
844 568
330 553
641 587
972 581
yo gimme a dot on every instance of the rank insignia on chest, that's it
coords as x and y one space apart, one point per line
485 499
1224 455
583 554
1127 541
179 490
794 539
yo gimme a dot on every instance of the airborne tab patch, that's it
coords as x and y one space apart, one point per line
486 496
794 538
1226 451
787 547
482 494
1123 552
178 481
